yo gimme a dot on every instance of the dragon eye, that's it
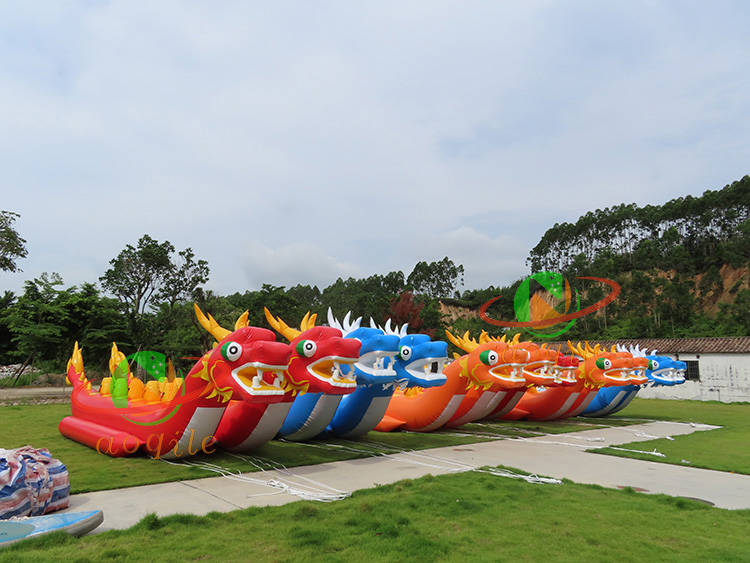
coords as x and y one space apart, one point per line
653 365
404 353
306 348
231 351
603 363
489 357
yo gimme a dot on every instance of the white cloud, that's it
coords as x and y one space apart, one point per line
353 139
298 263
486 260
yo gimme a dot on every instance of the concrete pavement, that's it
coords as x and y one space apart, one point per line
21 394
559 456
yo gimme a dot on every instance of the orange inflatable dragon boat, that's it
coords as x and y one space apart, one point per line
545 367
481 400
530 363
422 410
599 368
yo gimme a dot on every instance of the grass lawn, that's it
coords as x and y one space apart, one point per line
460 517
36 425
724 449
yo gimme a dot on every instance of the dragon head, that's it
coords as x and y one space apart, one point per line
601 368
320 357
419 361
248 360
255 362
540 369
491 362
661 370
376 356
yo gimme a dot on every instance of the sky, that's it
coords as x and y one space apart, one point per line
297 142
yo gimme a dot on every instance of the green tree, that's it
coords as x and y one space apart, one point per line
46 319
367 298
37 320
436 279
7 302
143 278
12 246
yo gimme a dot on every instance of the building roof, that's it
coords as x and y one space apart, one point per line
720 345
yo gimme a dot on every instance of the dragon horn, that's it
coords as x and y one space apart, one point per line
464 342
614 348
281 327
333 321
210 324
170 370
577 349
484 337
516 338
242 322
308 321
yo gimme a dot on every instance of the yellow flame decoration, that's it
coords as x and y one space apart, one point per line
207 374
76 360
464 342
294 387
116 359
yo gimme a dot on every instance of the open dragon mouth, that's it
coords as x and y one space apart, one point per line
258 378
638 376
564 375
374 363
618 375
427 369
540 373
509 373
328 370
668 375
